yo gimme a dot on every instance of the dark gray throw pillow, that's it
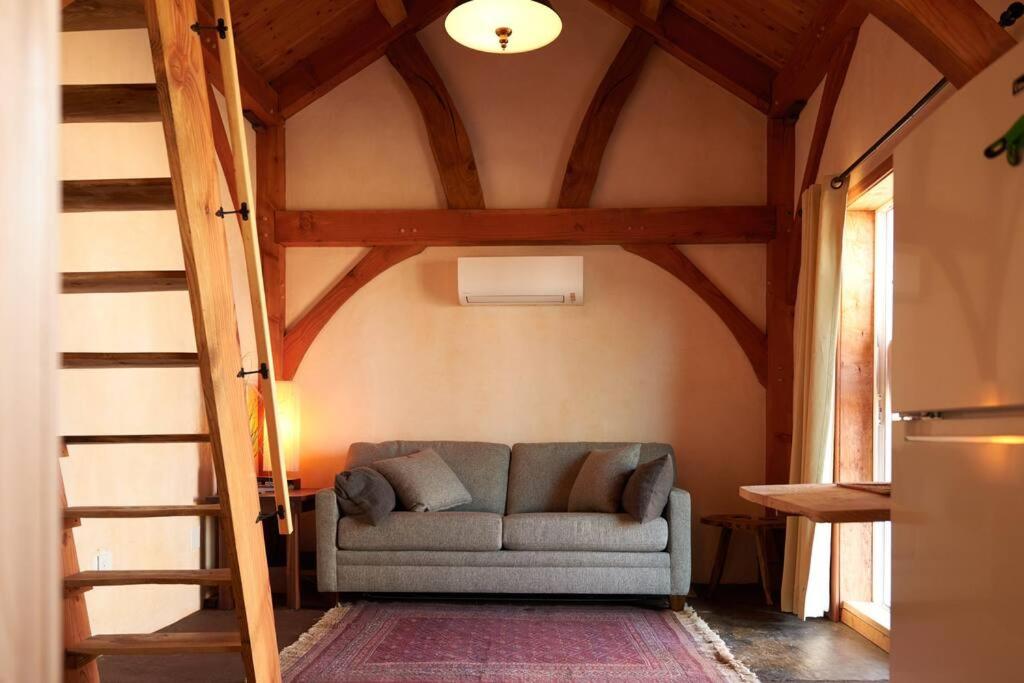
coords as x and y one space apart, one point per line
598 486
648 488
365 494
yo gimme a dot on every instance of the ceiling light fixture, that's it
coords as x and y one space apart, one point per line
503 26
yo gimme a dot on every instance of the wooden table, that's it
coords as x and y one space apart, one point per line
827 503
302 500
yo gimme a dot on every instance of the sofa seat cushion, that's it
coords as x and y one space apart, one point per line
423 531
593 531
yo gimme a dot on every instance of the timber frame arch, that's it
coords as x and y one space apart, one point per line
956 36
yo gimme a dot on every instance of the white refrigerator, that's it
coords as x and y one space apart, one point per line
957 361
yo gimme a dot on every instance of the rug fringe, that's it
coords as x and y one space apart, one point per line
714 646
297 650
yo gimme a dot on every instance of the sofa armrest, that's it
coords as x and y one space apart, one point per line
679 525
327 516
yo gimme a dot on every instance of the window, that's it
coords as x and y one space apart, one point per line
882 532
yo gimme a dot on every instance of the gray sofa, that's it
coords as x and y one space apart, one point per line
514 537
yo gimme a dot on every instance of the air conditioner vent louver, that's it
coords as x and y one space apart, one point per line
521 280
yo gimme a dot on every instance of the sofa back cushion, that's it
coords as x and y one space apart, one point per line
541 475
481 467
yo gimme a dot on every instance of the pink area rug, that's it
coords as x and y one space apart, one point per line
392 641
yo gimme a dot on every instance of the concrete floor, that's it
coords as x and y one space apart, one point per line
778 647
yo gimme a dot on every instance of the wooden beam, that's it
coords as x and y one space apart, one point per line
958 37
829 98
449 227
705 51
181 84
348 53
779 389
813 55
270 195
599 121
652 8
302 333
258 97
393 11
449 141
750 338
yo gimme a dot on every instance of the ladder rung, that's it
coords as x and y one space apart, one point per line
157 644
135 577
83 360
103 15
90 439
121 194
124 281
99 103
141 511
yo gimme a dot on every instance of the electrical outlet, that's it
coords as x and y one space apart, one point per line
104 560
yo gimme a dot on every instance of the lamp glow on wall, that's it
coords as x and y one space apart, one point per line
503 26
289 426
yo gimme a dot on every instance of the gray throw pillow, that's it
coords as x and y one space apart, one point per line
648 488
599 484
365 494
424 482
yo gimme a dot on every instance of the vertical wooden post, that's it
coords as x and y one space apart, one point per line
181 86
779 396
270 196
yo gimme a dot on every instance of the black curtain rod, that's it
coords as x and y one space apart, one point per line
1008 18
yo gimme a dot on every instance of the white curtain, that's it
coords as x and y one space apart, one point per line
805 578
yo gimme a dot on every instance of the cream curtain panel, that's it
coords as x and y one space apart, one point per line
805 577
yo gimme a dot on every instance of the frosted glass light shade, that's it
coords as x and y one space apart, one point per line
503 26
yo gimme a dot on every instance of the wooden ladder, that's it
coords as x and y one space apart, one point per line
180 99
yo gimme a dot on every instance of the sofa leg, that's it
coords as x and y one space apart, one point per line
677 603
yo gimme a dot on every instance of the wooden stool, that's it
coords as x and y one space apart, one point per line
762 528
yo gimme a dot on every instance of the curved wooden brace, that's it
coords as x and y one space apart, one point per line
599 121
449 141
300 335
958 37
751 339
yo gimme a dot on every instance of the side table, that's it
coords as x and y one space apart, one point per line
302 500
762 528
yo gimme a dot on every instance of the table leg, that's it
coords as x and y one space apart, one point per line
720 555
292 569
762 564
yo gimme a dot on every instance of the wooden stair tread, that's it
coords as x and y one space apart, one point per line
140 511
157 644
87 439
134 577
128 102
118 194
103 15
161 359
120 281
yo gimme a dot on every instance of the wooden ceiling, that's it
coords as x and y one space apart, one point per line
303 48
767 29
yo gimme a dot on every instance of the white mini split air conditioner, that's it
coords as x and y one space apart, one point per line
522 280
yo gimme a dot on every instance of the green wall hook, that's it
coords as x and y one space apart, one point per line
1009 143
